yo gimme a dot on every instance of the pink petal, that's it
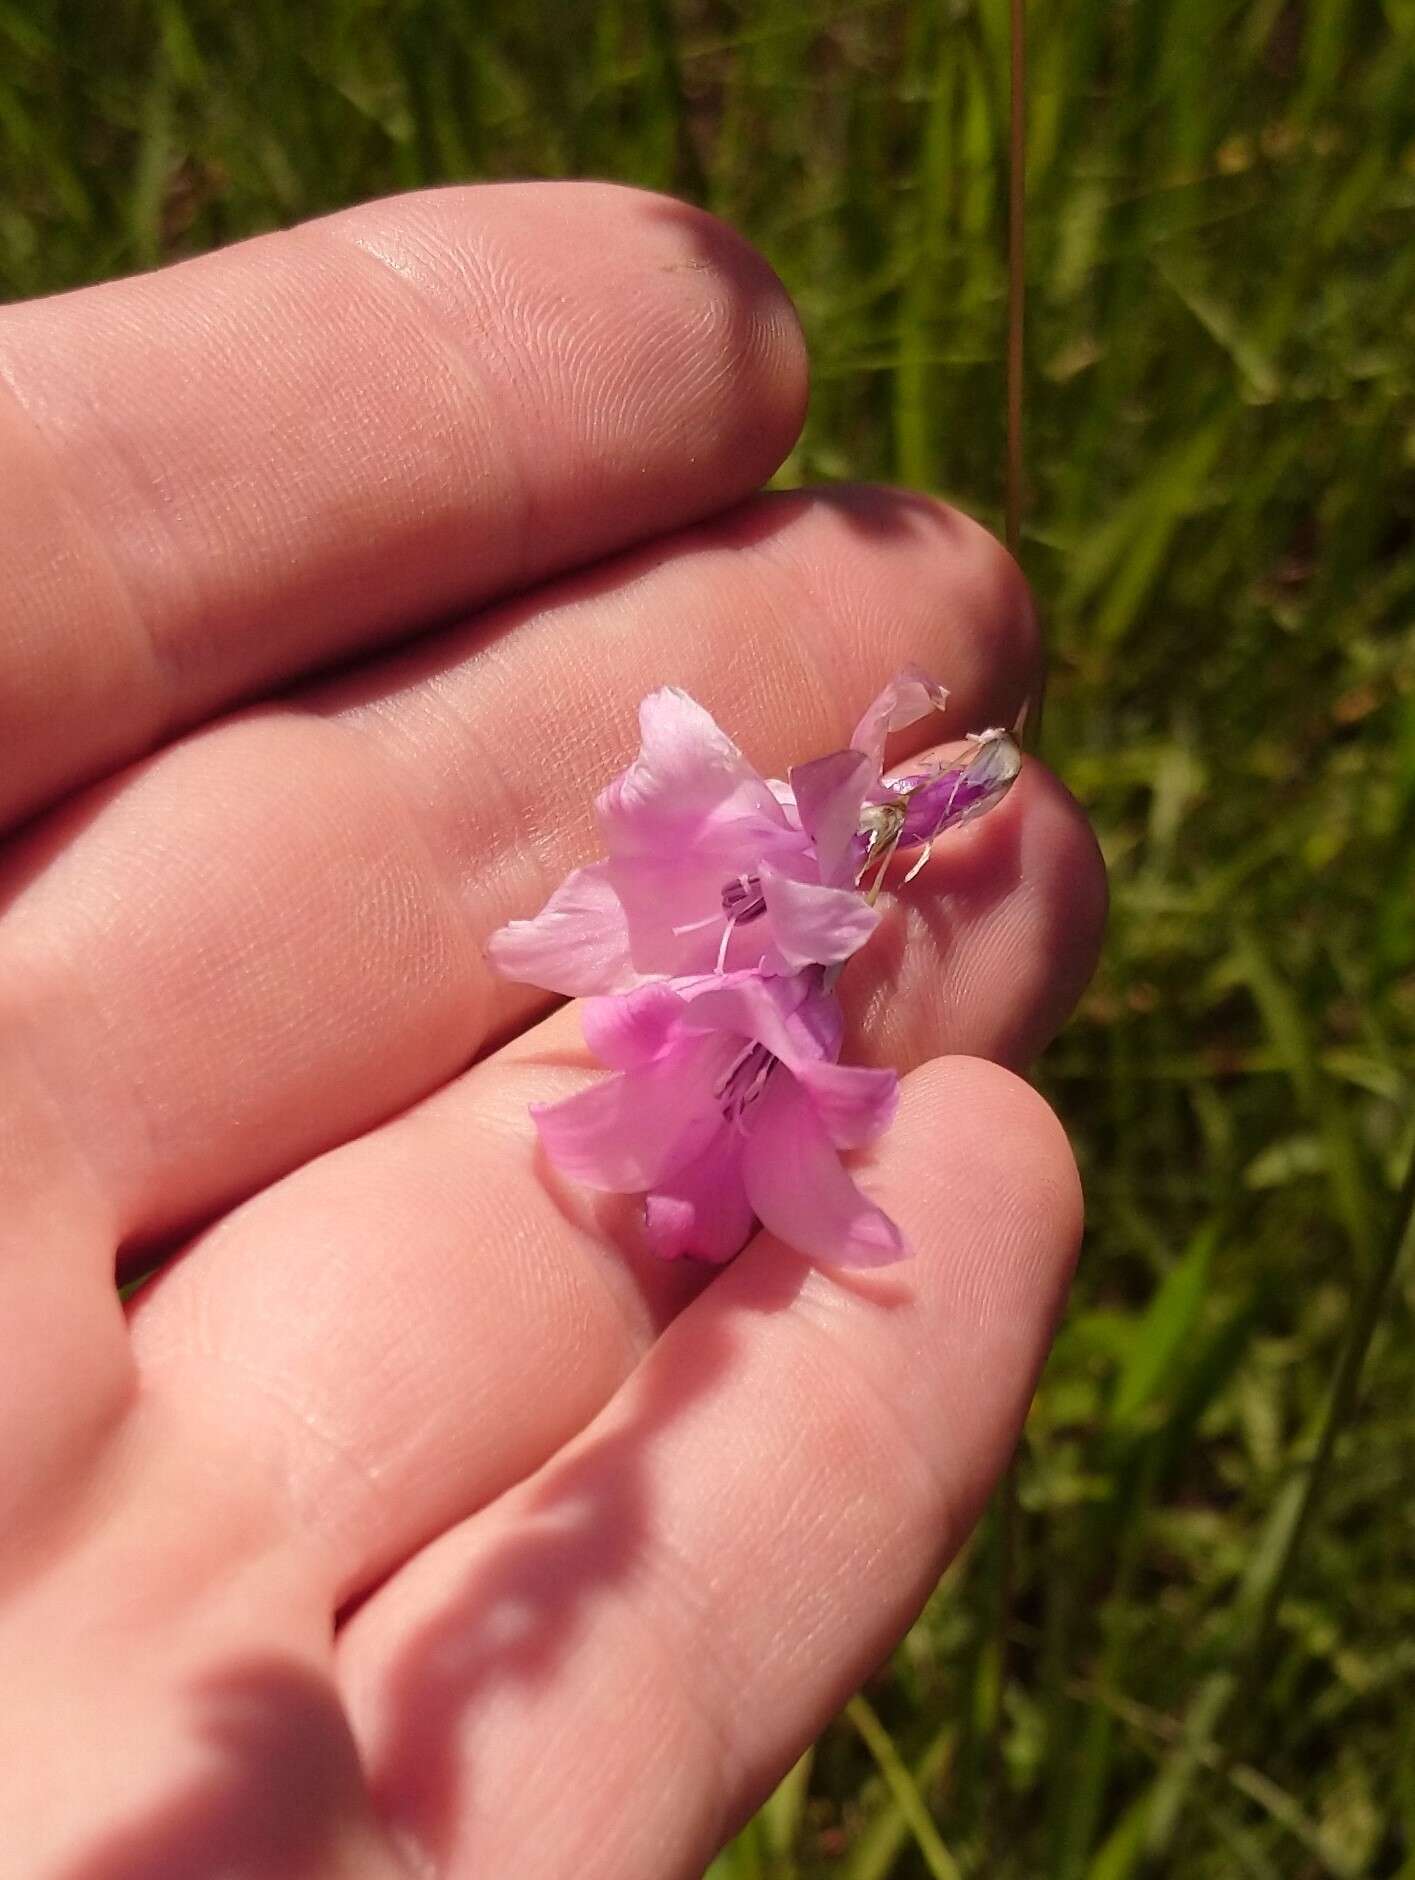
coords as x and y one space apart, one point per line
673 909
856 1104
786 797
786 1013
630 1131
577 944
688 776
910 695
702 1210
633 1030
830 793
814 925
799 1189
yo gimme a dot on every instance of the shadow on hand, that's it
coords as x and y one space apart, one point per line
513 1617
281 1793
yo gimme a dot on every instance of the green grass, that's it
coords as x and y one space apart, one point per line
1221 440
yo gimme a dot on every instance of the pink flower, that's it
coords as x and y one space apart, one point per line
727 1108
712 932
709 867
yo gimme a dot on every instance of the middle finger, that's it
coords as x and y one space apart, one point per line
268 938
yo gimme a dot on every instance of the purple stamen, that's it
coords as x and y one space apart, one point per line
743 900
743 1082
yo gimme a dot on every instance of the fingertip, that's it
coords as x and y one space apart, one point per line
981 1175
1067 872
667 284
750 315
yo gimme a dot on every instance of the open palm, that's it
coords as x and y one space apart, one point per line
414 1519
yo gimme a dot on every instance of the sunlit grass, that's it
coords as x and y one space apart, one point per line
1221 439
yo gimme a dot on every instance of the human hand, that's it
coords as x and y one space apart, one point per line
414 1519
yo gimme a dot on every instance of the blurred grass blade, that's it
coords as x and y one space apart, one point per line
1260 1595
1163 1331
783 1814
879 1846
1123 558
1124 1847
765 1849
1287 1026
891 1765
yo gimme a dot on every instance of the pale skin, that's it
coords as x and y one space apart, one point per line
413 1521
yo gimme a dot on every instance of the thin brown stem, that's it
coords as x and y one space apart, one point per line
1006 1509
1028 728
1016 272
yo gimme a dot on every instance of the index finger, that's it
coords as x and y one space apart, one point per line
231 471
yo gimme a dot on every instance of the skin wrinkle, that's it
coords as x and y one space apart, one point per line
480 741
676 1596
278 507
413 811
98 1033
431 891
98 553
837 1359
17 1038
787 620
504 446
708 1715
93 1509
644 1644
87 1388
804 573
201 1352
158 551
150 481
382 721
620 1320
